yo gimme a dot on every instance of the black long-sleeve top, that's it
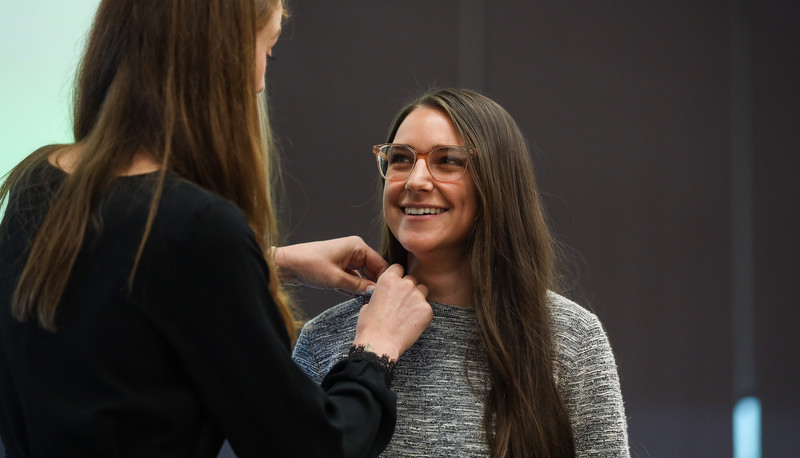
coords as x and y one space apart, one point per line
193 353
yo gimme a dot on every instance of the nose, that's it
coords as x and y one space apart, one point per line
420 178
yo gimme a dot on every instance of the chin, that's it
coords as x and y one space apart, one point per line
417 247
409 246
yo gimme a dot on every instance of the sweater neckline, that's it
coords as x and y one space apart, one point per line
448 310
439 308
65 174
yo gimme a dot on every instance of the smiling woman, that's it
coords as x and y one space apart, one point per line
508 367
429 217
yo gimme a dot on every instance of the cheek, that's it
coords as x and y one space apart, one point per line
386 201
472 201
390 192
390 195
261 66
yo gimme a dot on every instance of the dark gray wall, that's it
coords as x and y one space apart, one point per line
776 168
637 111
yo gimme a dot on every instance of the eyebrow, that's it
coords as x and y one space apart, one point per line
436 146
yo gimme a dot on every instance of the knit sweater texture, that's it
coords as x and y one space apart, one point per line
442 380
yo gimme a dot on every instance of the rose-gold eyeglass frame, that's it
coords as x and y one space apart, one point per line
378 150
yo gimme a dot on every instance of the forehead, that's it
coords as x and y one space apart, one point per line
271 22
426 127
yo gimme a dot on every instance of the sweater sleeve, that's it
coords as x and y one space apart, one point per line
213 306
593 395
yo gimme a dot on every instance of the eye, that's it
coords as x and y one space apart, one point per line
397 155
451 157
451 160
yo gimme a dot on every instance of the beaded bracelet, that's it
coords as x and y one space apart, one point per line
271 259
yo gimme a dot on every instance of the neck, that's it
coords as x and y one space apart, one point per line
68 158
449 281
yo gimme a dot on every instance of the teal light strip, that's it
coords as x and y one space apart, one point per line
747 428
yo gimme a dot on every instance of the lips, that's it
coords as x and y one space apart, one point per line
423 211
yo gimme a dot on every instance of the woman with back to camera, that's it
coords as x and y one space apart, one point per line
504 353
138 313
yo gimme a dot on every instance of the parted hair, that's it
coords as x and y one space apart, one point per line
512 259
175 80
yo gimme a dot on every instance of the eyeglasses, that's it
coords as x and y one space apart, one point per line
445 163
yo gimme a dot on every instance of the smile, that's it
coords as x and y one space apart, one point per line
423 211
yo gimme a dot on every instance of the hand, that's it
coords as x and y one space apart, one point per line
346 264
395 316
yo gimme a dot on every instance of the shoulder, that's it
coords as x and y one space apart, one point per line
585 368
331 327
577 332
326 339
586 374
568 316
193 216
201 263
330 322
32 182
195 205
195 235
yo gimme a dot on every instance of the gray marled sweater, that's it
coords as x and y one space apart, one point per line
442 380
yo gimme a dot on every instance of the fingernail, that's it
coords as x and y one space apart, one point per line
370 288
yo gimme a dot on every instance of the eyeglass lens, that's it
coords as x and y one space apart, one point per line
446 163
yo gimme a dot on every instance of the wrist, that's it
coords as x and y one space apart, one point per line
377 347
365 353
273 264
278 263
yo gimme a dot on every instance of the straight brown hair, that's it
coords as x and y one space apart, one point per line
512 258
175 80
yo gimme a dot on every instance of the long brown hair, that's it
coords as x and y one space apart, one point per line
512 260
175 80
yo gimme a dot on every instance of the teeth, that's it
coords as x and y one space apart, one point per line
423 211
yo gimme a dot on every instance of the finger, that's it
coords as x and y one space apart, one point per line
395 269
363 285
412 278
354 272
351 284
423 289
372 265
359 286
360 283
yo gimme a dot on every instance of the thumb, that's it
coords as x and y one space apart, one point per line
351 283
